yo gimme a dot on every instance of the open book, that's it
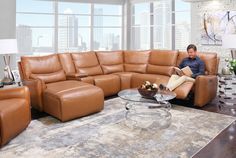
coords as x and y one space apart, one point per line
184 71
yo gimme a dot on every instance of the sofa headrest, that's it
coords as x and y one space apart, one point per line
163 57
136 61
162 62
40 64
111 61
67 63
87 63
110 57
136 57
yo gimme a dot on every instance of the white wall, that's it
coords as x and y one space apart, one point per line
7 26
198 9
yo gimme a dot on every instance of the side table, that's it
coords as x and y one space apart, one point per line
12 86
227 91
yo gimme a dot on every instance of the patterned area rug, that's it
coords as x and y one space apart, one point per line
105 135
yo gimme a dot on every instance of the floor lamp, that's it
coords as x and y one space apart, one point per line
228 41
7 47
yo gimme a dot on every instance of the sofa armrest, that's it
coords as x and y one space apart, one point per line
18 92
36 88
75 76
205 89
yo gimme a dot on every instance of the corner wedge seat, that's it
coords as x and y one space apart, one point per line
68 100
15 113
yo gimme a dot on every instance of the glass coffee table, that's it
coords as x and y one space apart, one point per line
145 113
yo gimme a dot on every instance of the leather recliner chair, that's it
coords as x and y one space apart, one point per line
15 113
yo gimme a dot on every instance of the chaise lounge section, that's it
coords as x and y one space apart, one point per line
52 93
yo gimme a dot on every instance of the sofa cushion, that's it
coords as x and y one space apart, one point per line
88 79
163 57
47 66
110 84
210 60
138 79
111 61
162 62
87 63
50 77
67 63
211 63
160 70
60 87
136 61
125 79
68 100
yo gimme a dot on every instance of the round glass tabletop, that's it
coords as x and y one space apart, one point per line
133 95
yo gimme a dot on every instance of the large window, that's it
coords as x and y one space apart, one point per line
74 26
52 26
35 25
161 24
141 26
107 31
182 24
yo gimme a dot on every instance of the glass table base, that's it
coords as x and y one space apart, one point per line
147 116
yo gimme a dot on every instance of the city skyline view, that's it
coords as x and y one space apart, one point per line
74 28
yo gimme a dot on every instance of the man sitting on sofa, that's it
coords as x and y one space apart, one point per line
191 67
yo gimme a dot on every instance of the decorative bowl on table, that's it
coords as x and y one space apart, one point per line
148 90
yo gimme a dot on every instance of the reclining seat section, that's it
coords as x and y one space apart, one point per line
87 63
61 98
205 87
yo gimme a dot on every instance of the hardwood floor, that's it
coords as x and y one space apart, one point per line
223 146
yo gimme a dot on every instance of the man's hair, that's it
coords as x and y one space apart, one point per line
192 46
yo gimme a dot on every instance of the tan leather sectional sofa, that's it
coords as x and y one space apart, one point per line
71 85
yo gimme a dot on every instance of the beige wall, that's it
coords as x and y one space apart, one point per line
7 25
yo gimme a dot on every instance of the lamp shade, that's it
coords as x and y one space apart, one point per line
8 46
229 41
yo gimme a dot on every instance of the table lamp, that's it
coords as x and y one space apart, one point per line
8 47
228 41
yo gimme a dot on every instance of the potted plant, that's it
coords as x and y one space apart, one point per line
232 64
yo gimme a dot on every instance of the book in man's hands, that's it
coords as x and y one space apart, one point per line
184 71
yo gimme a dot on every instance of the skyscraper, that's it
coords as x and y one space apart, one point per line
162 21
68 35
24 38
98 32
